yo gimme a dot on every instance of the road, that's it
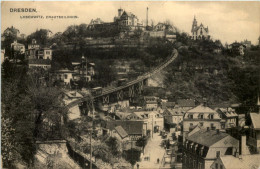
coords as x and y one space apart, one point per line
154 150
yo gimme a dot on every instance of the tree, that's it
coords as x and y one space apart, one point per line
27 106
114 145
9 35
41 36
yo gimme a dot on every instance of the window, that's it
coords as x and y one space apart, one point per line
48 52
217 153
216 166
201 123
191 116
191 124
220 166
200 116
65 76
211 116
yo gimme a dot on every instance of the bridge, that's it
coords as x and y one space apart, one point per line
129 90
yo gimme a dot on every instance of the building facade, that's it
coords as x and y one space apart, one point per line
254 133
200 116
199 32
18 47
229 117
203 147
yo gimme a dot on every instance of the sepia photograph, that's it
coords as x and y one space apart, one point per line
130 84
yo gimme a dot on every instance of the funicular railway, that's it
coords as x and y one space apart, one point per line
131 87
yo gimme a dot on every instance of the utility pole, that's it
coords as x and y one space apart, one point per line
152 126
91 131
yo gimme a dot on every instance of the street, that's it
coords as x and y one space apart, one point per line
154 150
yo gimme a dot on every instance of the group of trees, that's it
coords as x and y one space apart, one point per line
26 106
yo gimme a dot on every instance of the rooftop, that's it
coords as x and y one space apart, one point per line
121 131
244 162
131 127
255 118
201 109
186 103
207 137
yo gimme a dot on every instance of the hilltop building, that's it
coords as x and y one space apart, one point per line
247 43
18 47
199 32
39 56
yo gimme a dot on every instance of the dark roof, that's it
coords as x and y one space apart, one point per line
186 102
207 138
121 131
40 61
255 118
167 105
131 127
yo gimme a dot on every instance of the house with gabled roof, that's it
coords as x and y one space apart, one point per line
229 117
241 162
203 147
134 129
173 118
201 115
199 32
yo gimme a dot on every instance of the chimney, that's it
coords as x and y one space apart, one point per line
204 102
207 128
147 16
243 145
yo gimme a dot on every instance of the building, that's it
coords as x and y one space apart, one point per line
173 118
200 116
247 43
151 102
32 49
152 119
171 38
84 70
42 63
240 162
134 129
167 105
229 117
18 47
45 53
254 134
127 19
64 75
202 148
164 27
185 104
94 22
199 32
238 49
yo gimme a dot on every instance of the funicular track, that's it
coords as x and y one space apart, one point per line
107 91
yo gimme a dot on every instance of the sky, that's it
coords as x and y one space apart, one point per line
227 21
